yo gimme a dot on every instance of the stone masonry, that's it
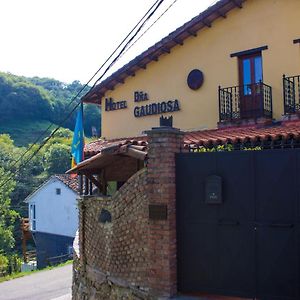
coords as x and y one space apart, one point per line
130 255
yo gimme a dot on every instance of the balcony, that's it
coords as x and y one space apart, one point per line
291 94
250 101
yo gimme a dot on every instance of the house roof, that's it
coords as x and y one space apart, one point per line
267 136
71 183
259 135
105 152
164 46
93 148
213 137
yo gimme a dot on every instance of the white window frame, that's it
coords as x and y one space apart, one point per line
32 216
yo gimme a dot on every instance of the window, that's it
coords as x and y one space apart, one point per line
250 72
32 216
58 191
70 250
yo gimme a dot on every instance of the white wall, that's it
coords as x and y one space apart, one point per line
55 214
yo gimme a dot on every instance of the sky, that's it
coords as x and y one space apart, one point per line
70 39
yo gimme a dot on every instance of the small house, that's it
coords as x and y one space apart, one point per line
53 218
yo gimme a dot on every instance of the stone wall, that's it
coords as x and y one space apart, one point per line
127 242
113 260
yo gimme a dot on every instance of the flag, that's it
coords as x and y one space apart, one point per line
78 139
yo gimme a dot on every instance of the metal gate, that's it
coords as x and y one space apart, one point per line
247 245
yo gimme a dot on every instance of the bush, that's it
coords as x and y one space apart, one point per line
3 265
15 263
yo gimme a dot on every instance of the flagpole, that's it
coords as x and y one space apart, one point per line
81 107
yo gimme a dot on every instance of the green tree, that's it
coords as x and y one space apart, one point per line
57 159
7 215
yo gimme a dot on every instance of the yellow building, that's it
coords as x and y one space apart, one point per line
225 66
188 223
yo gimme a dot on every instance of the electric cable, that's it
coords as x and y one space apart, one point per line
87 83
156 6
165 11
126 45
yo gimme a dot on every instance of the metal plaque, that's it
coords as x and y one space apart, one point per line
158 211
213 189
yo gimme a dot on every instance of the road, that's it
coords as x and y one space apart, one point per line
44 285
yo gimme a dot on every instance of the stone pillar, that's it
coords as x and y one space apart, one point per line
164 143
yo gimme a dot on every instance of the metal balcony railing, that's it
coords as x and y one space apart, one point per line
291 94
250 101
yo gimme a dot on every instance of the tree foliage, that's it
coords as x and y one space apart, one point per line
43 99
7 215
57 159
26 100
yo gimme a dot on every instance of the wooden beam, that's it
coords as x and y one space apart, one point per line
222 14
248 52
166 50
94 181
142 66
155 58
179 42
86 185
296 41
193 33
120 81
130 73
104 182
80 187
237 3
206 23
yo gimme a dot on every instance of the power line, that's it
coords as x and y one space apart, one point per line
150 26
155 6
130 40
83 88
165 11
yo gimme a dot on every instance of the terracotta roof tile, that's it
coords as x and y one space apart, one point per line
97 146
284 130
70 181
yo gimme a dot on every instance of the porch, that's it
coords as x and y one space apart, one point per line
244 102
291 94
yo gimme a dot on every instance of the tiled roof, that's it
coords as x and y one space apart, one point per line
190 28
279 131
284 131
70 181
95 147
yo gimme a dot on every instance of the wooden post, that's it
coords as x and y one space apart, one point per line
80 185
86 185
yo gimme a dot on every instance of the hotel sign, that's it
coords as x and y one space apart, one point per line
110 104
153 108
159 107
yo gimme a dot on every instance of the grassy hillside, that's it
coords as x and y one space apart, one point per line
26 131
29 105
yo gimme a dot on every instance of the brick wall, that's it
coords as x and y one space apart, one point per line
163 145
134 255
114 253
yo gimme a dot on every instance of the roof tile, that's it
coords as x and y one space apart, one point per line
284 130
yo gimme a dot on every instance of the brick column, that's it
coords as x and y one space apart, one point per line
164 142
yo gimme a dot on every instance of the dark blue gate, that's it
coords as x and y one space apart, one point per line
247 245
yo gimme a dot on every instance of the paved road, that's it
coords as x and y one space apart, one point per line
45 285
